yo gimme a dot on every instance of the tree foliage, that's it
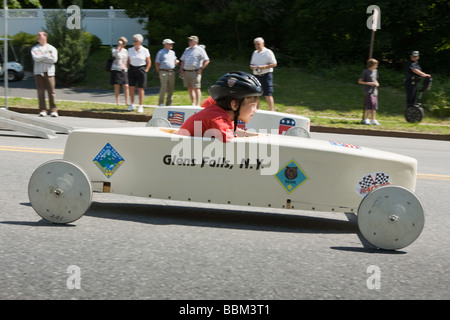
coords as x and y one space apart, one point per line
73 48
320 32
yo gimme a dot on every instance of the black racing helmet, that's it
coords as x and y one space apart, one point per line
236 84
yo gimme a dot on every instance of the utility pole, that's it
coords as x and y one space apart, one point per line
373 23
5 43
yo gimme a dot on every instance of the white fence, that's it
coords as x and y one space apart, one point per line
107 24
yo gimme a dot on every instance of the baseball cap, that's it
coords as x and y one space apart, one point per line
195 38
415 53
168 41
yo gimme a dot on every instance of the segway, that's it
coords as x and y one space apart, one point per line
416 113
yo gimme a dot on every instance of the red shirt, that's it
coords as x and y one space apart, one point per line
208 102
212 121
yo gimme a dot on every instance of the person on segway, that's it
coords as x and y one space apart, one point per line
414 74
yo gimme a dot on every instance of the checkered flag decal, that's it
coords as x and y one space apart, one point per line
371 181
366 182
381 179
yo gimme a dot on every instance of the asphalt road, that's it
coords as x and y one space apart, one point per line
26 88
137 248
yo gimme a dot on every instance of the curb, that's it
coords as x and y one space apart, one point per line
124 115
380 133
322 129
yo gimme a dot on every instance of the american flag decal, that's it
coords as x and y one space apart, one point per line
176 118
346 145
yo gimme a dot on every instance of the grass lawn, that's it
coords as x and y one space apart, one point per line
328 100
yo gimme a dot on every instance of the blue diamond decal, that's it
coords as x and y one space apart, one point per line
108 160
291 176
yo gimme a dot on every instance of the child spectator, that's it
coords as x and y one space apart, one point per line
369 79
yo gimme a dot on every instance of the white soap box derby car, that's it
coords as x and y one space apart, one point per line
260 170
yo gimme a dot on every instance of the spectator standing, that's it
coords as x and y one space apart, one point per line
119 75
262 63
413 74
369 79
193 61
165 63
138 65
44 57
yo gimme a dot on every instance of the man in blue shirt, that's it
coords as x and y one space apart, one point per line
166 61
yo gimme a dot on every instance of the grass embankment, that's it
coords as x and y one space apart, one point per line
328 98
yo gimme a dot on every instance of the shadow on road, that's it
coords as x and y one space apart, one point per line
219 218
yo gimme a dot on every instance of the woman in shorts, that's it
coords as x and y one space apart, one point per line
138 65
119 76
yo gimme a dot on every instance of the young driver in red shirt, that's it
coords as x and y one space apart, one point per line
235 97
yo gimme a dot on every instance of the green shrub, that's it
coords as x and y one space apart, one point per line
94 41
73 48
439 104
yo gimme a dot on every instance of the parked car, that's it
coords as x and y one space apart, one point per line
13 68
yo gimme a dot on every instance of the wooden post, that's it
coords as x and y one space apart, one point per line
374 25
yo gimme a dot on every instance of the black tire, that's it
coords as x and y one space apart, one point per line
12 75
414 114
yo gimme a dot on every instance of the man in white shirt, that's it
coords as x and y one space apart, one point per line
262 63
45 56
193 61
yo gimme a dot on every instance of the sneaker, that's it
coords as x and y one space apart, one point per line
140 109
161 104
131 107
54 114
376 123
366 121
42 113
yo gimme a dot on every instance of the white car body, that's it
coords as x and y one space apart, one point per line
149 162
262 121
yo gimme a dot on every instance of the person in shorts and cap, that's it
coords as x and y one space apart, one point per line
234 96
165 63
413 75
193 61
